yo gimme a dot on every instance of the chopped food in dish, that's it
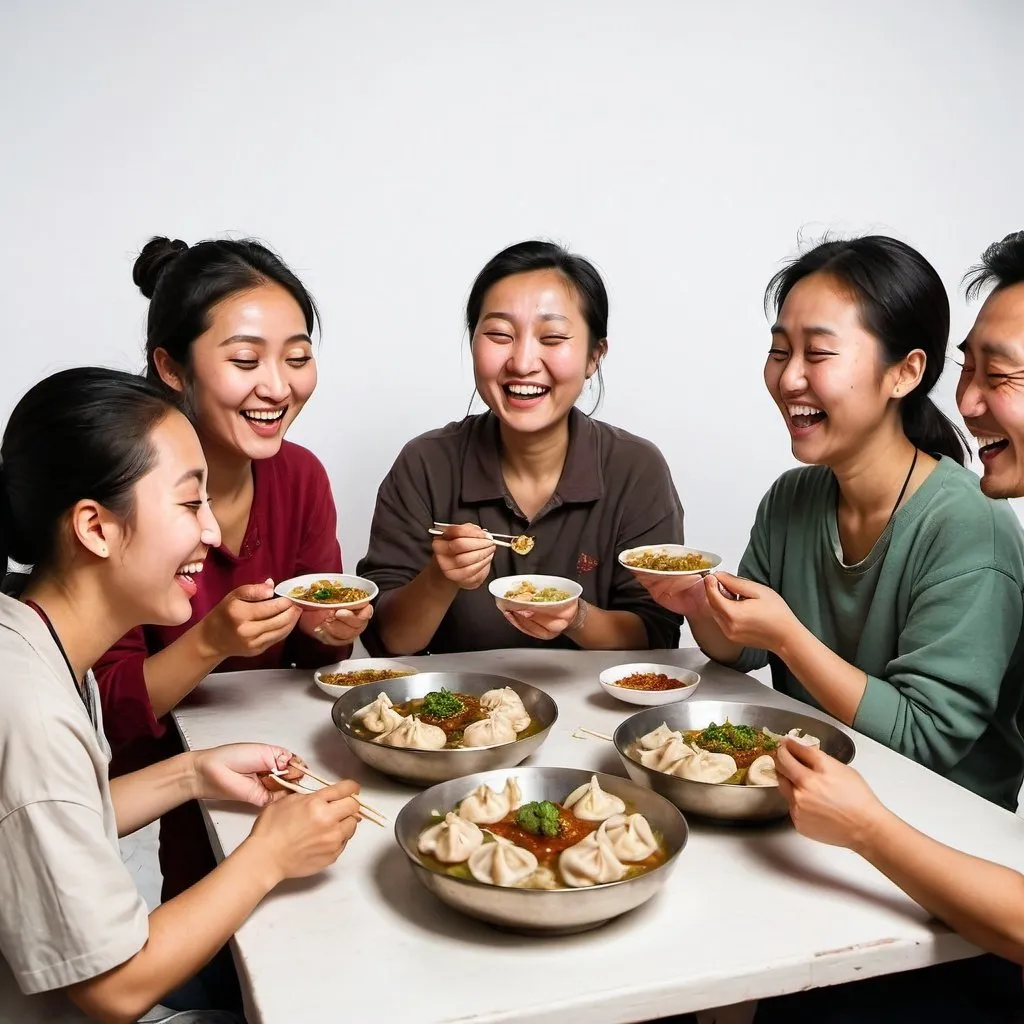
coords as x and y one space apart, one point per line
650 681
329 592
526 591
662 561
363 675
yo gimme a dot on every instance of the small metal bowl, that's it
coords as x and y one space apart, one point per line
715 800
425 767
542 911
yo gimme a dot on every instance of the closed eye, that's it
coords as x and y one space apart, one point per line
246 364
778 353
498 336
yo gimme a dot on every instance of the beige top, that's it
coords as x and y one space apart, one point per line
69 909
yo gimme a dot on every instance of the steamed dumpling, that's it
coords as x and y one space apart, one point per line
799 736
762 772
378 716
489 731
451 841
590 802
631 837
591 861
484 806
665 757
514 794
412 732
501 862
505 701
542 878
705 766
658 737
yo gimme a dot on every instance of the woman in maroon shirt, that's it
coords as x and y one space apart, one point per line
229 334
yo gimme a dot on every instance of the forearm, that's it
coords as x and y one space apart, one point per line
982 901
148 794
604 630
184 934
408 617
834 683
710 638
171 674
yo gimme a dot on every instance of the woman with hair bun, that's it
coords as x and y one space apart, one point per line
229 337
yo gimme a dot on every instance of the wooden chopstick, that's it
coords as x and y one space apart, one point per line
589 732
499 543
323 782
490 533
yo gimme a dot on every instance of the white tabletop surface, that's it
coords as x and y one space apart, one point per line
749 912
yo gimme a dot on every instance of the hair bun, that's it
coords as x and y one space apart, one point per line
157 254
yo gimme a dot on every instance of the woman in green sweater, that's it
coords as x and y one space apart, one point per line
872 571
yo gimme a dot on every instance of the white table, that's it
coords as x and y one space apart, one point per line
365 942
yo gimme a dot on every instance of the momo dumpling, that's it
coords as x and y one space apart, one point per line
591 861
631 837
665 757
762 771
379 716
501 862
659 737
484 806
505 701
412 732
542 878
514 794
489 732
451 841
799 736
705 766
590 802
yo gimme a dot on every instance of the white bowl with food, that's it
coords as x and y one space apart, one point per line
648 684
533 591
328 590
336 679
669 560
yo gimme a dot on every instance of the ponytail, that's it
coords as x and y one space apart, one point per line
930 429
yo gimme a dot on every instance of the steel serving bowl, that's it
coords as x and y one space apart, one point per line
714 800
542 911
425 767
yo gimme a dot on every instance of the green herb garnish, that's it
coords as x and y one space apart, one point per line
323 594
728 737
539 818
442 704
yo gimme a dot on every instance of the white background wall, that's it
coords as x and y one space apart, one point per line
387 150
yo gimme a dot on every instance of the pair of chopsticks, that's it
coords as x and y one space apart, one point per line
583 733
439 528
369 813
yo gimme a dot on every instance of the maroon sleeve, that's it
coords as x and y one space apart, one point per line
127 712
318 552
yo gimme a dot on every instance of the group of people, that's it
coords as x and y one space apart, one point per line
152 515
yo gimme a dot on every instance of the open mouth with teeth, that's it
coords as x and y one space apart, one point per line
989 446
264 421
524 394
185 577
804 416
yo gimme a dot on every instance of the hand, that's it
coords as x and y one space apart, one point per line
238 771
761 619
300 835
683 595
828 800
544 624
248 621
336 628
464 553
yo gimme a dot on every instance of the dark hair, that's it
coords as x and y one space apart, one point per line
1002 264
579 273
80 433
904 304
184 282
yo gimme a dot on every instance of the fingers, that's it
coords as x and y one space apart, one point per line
735 584
339 792
256 592
466 531
812 757
355 616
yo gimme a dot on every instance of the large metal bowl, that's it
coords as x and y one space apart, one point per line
425 767
714 800
542 911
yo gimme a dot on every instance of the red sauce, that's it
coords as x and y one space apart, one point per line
545 848
649 681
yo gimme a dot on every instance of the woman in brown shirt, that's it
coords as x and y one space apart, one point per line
537 317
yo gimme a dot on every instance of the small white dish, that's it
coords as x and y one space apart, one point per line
343 579
500 587
358 665
689 680
672 550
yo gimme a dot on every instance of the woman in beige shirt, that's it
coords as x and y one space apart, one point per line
103 493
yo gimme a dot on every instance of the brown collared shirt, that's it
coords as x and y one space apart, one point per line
615 492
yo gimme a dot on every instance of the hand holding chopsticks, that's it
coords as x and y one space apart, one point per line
519 543
369 813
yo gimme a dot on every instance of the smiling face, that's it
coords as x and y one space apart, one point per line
250 372
153 560
532 350
990 392
827 376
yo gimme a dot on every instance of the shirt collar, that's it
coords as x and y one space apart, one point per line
581 481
